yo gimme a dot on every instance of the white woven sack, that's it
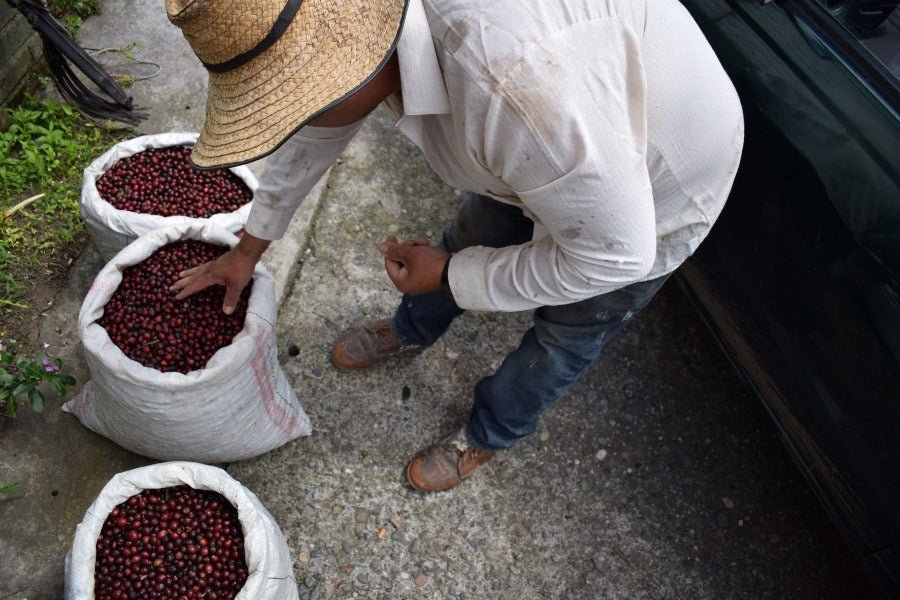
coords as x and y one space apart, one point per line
113 229
270 575
238 406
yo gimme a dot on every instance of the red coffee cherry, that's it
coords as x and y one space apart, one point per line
168 563
145 321
161 181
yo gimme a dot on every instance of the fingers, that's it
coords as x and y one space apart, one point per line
233 275
180 284
189 272
392 239
402 261
395 271
394 251
189 288
192 281
232 295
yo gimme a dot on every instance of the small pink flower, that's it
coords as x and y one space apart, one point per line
49 366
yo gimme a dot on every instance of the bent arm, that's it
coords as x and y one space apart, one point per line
290 173
601 236
567 134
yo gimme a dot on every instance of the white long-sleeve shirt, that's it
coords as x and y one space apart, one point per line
610 122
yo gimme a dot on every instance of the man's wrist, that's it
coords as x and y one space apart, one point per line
252 247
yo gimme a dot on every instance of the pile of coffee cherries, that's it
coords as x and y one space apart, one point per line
150 326
161 181
171 544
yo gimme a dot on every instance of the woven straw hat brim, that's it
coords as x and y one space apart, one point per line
315 64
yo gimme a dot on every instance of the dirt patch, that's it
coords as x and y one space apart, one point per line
42 284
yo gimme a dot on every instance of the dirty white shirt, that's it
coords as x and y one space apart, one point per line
611 122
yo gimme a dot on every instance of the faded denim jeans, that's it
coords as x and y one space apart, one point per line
552 355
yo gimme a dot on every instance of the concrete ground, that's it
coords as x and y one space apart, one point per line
657 475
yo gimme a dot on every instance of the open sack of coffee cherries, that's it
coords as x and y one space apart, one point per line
179 379
146 183
178 530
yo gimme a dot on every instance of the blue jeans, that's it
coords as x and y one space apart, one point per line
552 355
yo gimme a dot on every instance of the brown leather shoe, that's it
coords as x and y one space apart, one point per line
366 345
444 465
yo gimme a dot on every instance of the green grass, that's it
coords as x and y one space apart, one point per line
45 150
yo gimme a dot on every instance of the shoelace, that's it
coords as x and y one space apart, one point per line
382 335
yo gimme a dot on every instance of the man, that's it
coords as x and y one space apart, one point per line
598 141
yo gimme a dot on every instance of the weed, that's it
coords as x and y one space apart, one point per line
124 80
44 150
73 23
20 377
10 489
82 8
72 12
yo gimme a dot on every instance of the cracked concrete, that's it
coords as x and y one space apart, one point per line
657 476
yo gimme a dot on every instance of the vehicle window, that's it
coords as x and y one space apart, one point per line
875 24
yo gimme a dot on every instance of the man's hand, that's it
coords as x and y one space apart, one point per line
414 266
233 270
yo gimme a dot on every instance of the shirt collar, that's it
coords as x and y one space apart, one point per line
421 82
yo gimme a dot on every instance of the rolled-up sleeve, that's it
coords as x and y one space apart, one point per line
290 173
581 173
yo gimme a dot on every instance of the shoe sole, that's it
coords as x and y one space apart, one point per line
349 368
397 354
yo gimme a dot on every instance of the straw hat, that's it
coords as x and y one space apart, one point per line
274 65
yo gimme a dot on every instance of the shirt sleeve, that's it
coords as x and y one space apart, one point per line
572 147
290 173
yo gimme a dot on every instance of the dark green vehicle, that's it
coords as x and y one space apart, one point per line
800 277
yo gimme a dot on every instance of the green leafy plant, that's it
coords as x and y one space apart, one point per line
20 377
73 23
72 12
44 151
82 8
